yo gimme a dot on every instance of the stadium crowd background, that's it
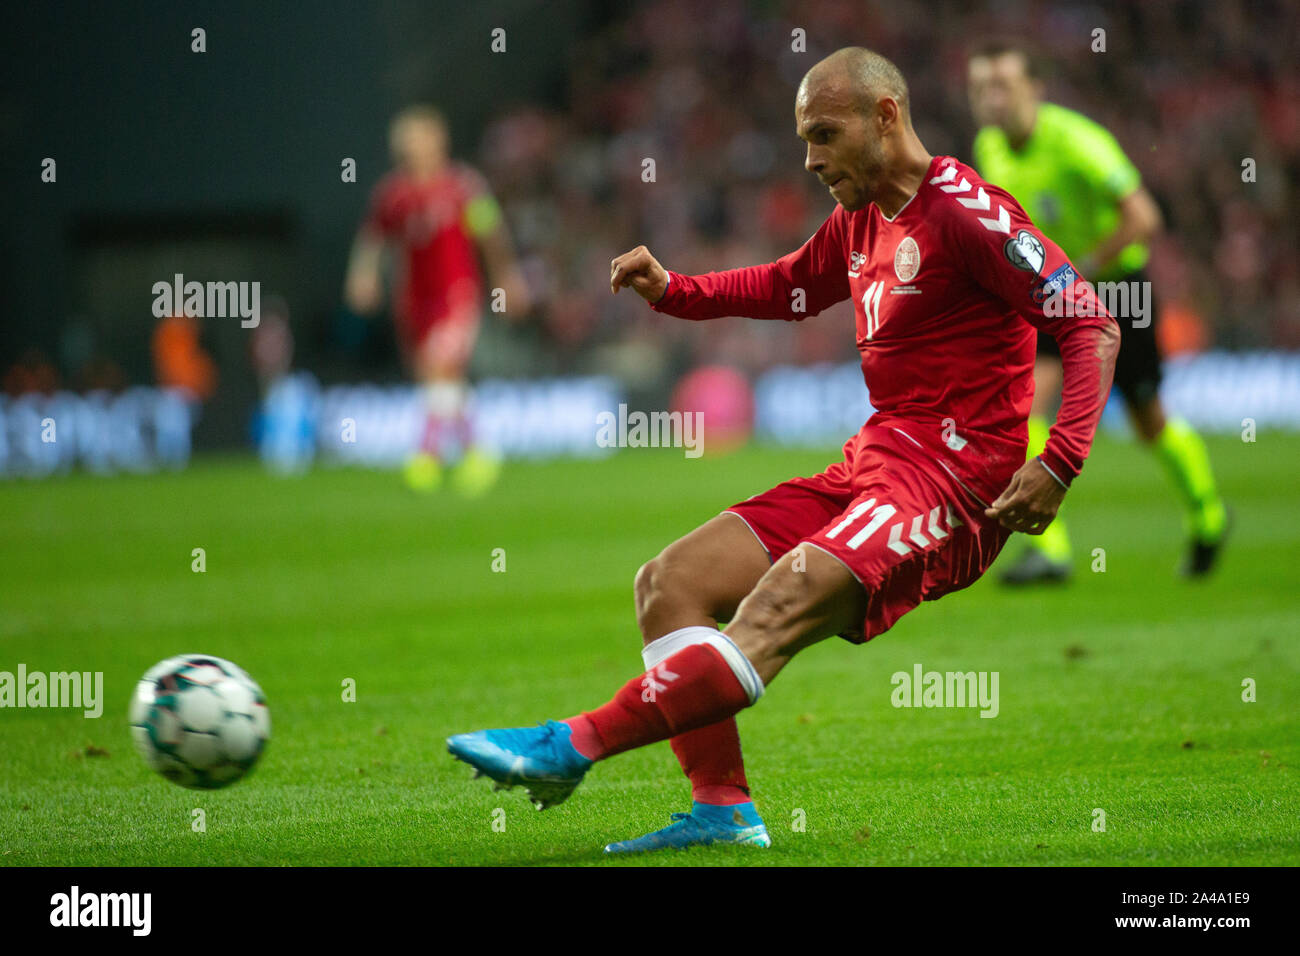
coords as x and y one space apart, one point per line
1191 89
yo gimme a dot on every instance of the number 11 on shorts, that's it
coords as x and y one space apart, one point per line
882 514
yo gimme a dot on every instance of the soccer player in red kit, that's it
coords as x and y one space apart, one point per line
440 216
949 281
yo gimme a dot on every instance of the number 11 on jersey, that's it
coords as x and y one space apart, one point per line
871 306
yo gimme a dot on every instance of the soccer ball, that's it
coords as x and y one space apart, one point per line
200 721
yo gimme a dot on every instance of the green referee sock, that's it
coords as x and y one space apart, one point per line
1182 452
1054 543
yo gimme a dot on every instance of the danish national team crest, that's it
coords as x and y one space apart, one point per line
907 260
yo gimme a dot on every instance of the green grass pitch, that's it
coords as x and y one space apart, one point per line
1122 692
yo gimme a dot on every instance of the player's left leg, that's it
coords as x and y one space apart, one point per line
1177 446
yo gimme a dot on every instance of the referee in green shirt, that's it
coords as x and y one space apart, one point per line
1076 184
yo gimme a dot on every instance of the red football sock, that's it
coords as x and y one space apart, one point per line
431 437
690 689
710 757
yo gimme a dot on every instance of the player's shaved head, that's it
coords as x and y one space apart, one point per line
863 75
852 109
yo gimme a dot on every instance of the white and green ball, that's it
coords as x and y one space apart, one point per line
199 720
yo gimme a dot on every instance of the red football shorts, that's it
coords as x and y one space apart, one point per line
891 514
441 332
445 341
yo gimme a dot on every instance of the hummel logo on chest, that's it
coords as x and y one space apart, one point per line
856 261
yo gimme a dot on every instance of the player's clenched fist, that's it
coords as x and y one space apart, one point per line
641 271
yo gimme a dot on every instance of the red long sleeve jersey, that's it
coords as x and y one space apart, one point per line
944 295
438 273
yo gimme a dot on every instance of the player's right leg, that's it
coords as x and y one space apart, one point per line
1045 557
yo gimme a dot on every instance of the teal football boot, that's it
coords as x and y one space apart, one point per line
705 825
540 759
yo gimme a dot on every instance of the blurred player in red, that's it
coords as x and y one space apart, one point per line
949 281
438 216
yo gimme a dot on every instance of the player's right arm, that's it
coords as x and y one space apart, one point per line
803 283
